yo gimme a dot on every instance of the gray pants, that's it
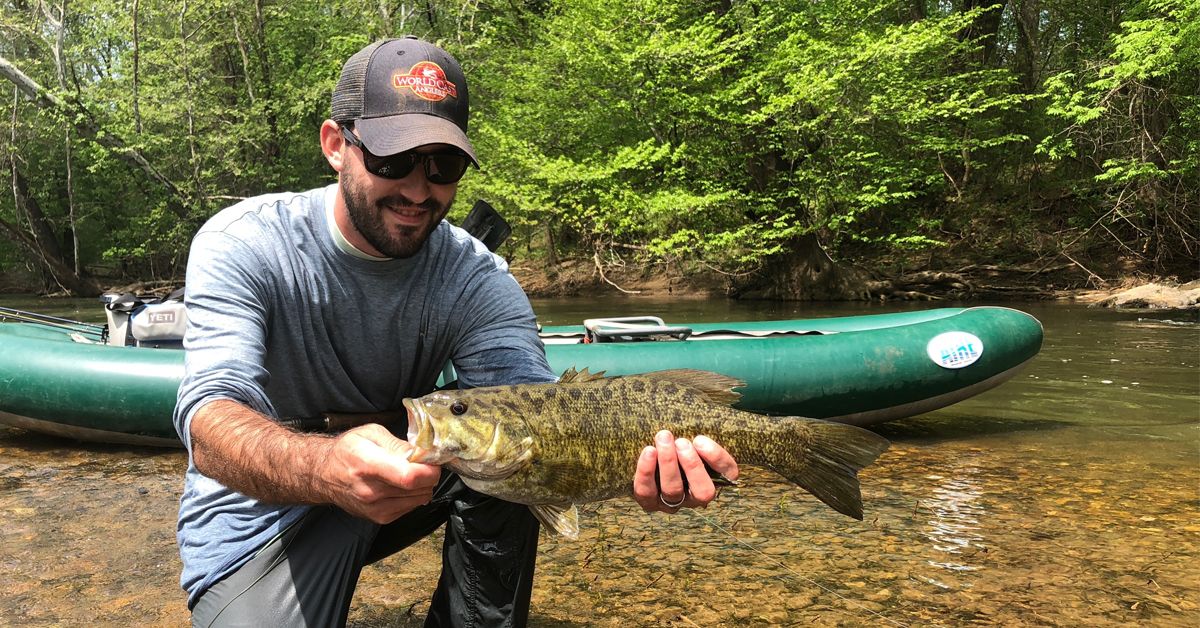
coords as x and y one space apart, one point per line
306 576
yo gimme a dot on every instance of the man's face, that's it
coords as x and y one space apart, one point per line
395 217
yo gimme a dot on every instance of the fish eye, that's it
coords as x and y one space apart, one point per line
458 408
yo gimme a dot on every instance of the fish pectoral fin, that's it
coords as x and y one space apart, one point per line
717 387
562 476
571 376
562 518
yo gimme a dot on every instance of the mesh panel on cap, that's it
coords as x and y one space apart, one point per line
351 87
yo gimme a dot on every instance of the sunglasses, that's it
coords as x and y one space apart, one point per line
440 168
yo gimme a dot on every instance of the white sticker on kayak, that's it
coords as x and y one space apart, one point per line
954 349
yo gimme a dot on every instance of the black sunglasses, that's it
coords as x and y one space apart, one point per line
440 168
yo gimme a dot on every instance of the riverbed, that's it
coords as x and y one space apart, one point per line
1069 496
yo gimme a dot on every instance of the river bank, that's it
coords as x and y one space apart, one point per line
586 278
579 277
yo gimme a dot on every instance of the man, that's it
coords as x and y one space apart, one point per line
350 298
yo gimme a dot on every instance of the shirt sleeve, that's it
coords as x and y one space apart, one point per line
499 343
225 341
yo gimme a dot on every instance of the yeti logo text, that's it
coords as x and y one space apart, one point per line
427 81
161 317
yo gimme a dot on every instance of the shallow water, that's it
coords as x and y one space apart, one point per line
1066 497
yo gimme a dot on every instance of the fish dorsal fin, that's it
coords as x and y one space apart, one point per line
571 376
717 387
562 518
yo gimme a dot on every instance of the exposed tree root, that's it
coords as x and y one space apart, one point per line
600 269
808 273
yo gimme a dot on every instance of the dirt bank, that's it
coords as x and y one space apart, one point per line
579 277
583 277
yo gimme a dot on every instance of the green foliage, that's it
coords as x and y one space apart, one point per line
1134 115
727 136
684 130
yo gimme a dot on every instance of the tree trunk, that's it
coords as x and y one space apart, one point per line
66 278
71 209
551 255
237 31
1026 14
43 234
985 29
806 273
916 10
191 106
271 148
137 116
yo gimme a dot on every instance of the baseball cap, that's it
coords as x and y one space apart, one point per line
401 94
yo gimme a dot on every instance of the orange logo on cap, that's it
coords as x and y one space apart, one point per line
428 81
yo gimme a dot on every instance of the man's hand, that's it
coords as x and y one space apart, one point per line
369 477
363 471
669 455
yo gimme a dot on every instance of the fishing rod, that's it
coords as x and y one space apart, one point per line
21 316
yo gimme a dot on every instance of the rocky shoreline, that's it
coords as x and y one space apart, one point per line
1152 296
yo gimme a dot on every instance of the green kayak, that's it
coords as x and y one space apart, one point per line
860 370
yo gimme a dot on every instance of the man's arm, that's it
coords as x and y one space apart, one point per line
363 471
222 401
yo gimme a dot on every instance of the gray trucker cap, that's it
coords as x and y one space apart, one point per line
403 93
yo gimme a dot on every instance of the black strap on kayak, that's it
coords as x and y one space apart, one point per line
130 302
127 303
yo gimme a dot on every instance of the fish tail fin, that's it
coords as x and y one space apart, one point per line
828 461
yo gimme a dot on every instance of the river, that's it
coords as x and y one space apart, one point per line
1069 496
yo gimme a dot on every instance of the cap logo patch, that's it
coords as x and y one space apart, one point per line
428 81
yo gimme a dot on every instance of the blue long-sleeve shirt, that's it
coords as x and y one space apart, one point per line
284 321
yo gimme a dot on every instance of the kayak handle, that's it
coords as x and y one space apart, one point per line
631 328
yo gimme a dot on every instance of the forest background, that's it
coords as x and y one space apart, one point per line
786 148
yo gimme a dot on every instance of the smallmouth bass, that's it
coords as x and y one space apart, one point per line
551 446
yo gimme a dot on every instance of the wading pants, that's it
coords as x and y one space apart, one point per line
306 576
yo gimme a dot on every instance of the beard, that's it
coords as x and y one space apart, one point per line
402 242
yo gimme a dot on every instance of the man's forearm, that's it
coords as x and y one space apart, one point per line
247 452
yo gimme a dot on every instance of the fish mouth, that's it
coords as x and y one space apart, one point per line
419 424
422 436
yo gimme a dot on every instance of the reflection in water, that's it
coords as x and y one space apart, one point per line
955 514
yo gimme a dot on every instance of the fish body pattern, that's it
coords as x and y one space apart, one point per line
551 446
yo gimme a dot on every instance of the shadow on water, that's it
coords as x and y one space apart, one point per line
37 443
931 429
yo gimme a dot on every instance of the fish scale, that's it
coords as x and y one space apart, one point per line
552 446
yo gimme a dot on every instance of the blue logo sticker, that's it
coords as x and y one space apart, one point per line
954 349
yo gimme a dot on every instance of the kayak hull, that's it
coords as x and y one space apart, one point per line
860 370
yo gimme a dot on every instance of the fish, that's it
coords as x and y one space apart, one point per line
577 441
